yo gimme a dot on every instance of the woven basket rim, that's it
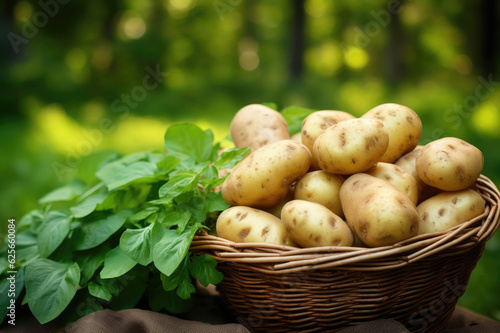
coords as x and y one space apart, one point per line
279 259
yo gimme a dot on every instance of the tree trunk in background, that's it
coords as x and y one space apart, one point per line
394 50
490 36
297 39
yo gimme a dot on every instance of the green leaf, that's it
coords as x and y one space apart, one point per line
6 292
32 220
294 116
187 140
182 181
169 252
53 231
214 202
138 243
116 174
168 164
26 247
180 274
116 263
91 163
169 300
203 268
229 158
99 291
94 233
143 214
89 261
67 192
50 286
131 287
88 205
185 289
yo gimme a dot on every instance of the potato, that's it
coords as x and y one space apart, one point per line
351 146
249 225
297 137
397 177
316 124
377 212
449 164
262 179
407 162
257 125
310 224
321 187
449 209
403 125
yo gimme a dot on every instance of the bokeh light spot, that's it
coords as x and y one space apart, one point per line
76 58
355 57
486 119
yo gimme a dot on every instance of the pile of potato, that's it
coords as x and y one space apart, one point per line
346 181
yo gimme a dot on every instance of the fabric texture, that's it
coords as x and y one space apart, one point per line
145 321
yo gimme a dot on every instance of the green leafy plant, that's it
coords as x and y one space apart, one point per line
121 231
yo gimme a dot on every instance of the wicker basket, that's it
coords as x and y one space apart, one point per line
416 282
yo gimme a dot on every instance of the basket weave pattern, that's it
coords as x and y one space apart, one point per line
417 281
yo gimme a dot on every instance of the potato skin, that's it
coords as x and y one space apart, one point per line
377 212
449 209
321 187
449 164
242 224
262 179
397 177
408 163
257 125
351 146
316 124
403 125
310 224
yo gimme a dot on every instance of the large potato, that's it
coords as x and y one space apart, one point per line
351 146
377 212
257 125
321 187
449 209
310 224
316 124
403 125
262 179
449 164
397 177
408 163
249 225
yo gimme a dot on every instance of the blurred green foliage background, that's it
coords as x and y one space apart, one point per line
80 77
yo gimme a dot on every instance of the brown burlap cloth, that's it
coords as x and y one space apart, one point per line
139 321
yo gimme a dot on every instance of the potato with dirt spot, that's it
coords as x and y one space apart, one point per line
316 124
449 164
242 224
408 163
310 224
262 179
321 187
351 146
449 209
403 125
257 125
377 212
397 177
